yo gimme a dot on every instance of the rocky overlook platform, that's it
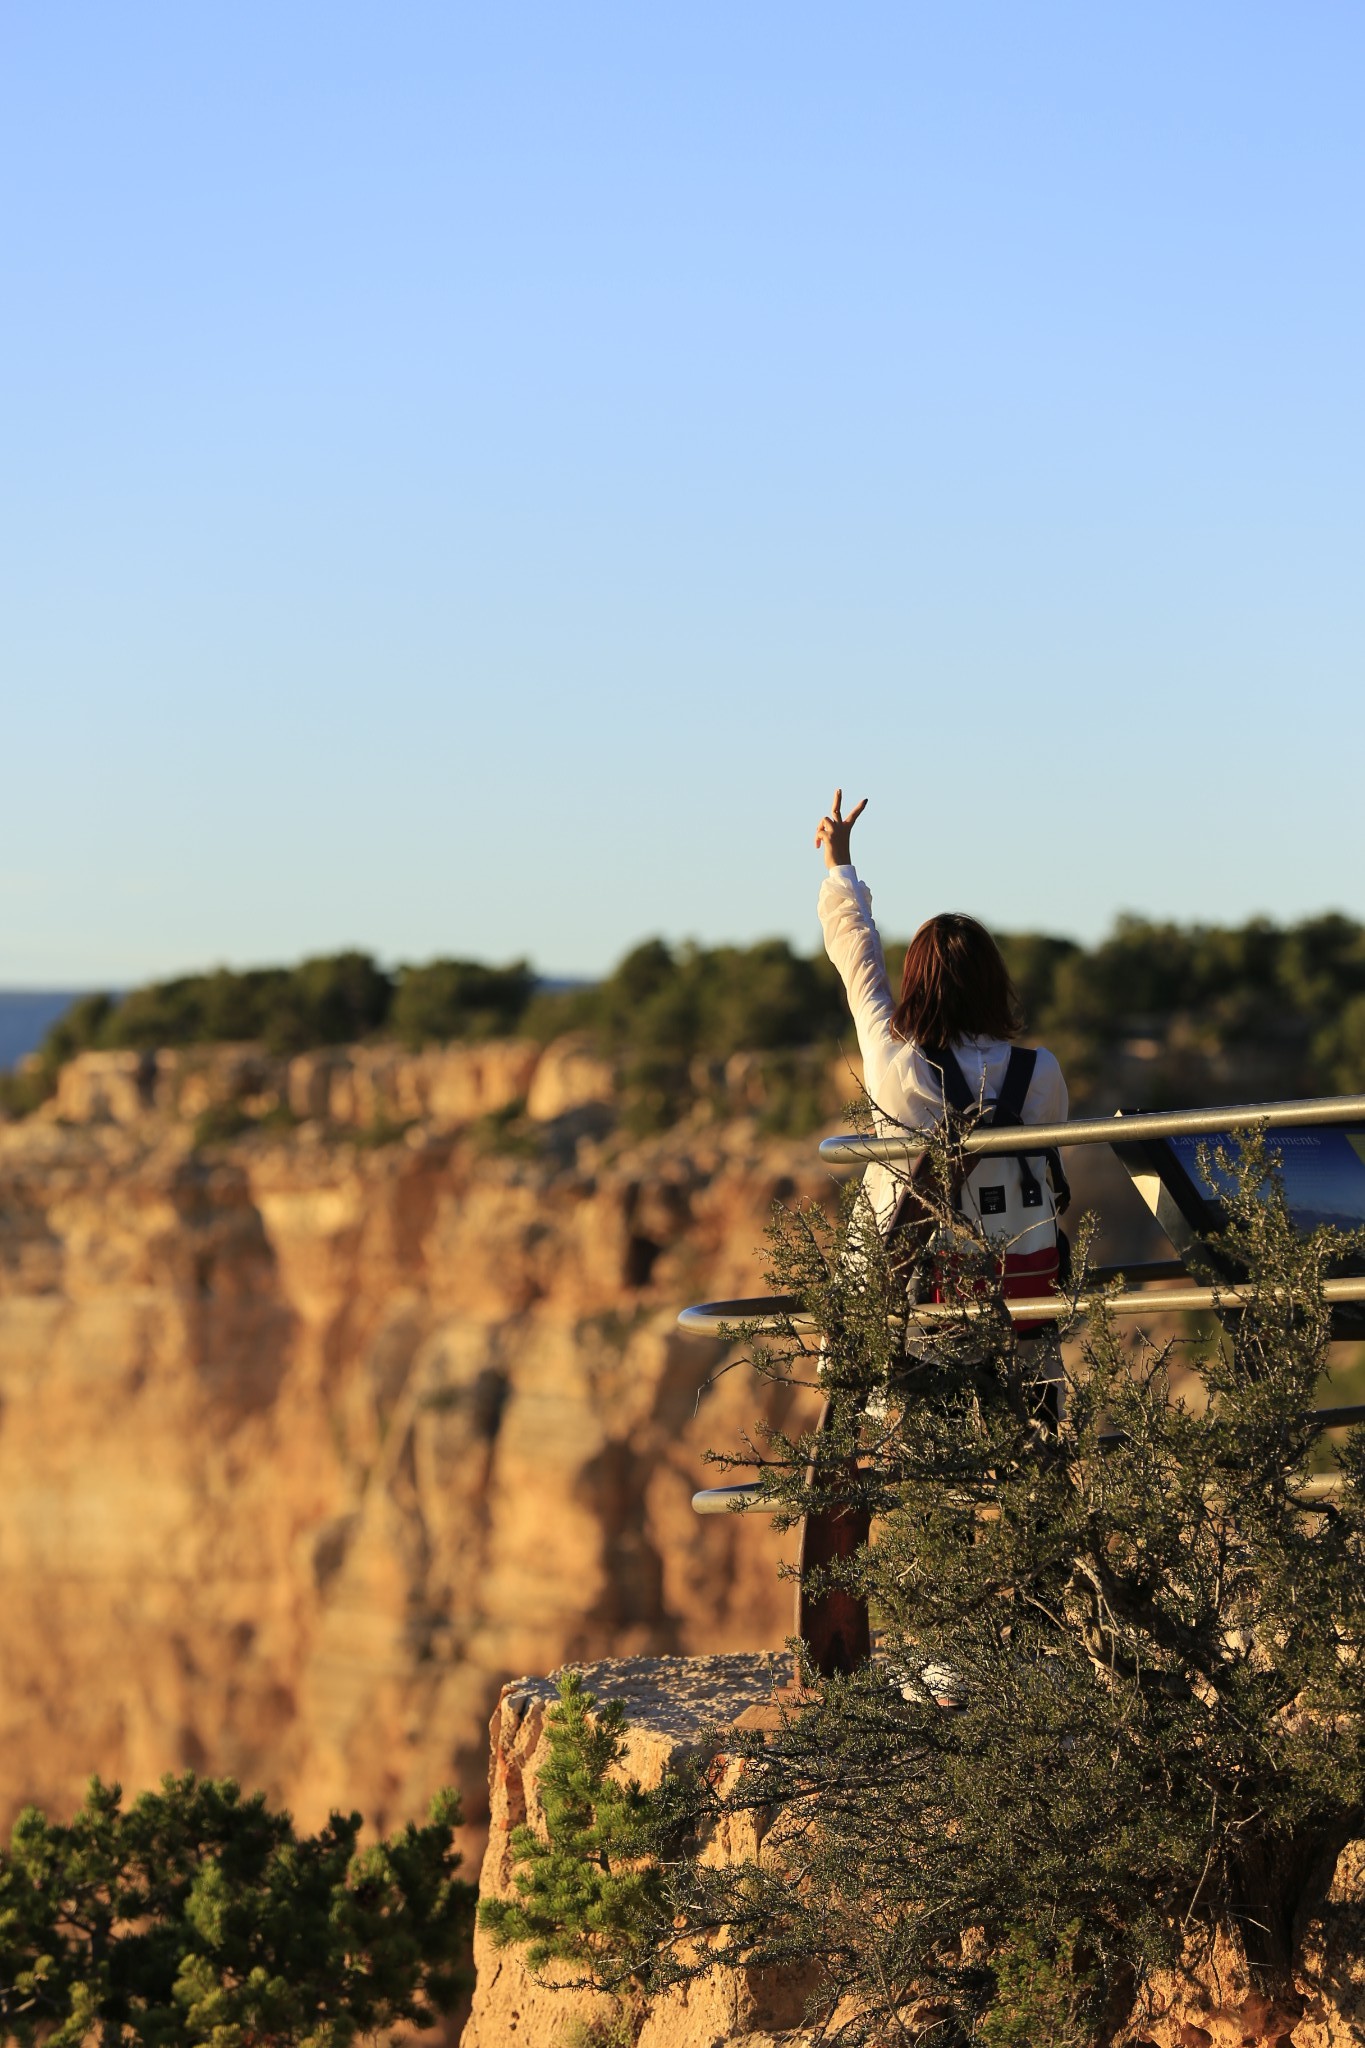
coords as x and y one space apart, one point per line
674 1708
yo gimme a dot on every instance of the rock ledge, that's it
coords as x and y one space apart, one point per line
674 1708
673 1705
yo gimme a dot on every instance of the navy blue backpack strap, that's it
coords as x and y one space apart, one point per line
1009 1111
956 1094
1009 1103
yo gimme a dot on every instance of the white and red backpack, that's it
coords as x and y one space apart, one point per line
1015 1198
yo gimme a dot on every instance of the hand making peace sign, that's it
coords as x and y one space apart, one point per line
832 832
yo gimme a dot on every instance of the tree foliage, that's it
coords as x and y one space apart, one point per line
331 1000
1260 1000
449 999
1151 1619
198 1915
1155 1013
587 1890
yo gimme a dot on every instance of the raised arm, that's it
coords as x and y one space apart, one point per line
853 943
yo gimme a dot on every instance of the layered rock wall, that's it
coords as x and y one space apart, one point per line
310 1437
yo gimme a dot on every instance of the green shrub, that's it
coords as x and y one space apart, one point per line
219 1124
506 1133
1034 962
82 1026
800 1096
196 1009
587 1893
383 1131
1265 997
695 1000
459 999
333 1000
1149 1617
76 1031
25 1090
1045 1994
199 1916
1340 1047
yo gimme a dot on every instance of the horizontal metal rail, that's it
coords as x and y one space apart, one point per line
778 1313
767 1311
1141 1301
737 1499
745 1497
775 1312
857 1149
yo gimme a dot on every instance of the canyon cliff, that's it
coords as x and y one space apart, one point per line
336 1392
676 1711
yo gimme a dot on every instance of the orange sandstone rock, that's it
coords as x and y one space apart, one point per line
671 1705
307 1443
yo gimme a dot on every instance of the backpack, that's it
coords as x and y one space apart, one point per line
1003 1193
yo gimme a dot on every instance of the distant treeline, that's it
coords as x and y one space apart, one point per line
1189 1009
1202 1013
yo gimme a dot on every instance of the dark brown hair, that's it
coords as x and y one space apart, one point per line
955 985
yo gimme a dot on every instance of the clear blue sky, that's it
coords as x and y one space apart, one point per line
475 477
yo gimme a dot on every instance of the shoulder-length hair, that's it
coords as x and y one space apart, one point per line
955 985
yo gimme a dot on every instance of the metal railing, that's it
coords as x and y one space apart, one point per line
776 1312
772 1312
857 1149
835 1627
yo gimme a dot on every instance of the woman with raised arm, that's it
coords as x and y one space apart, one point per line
947 1043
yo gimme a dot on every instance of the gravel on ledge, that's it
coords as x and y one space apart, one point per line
678 1697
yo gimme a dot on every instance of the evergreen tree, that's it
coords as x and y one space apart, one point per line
586 1892
198 1916
1150 1621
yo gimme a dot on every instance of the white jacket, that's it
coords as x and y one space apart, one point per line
904 1088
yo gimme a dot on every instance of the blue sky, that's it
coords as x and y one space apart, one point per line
476 478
